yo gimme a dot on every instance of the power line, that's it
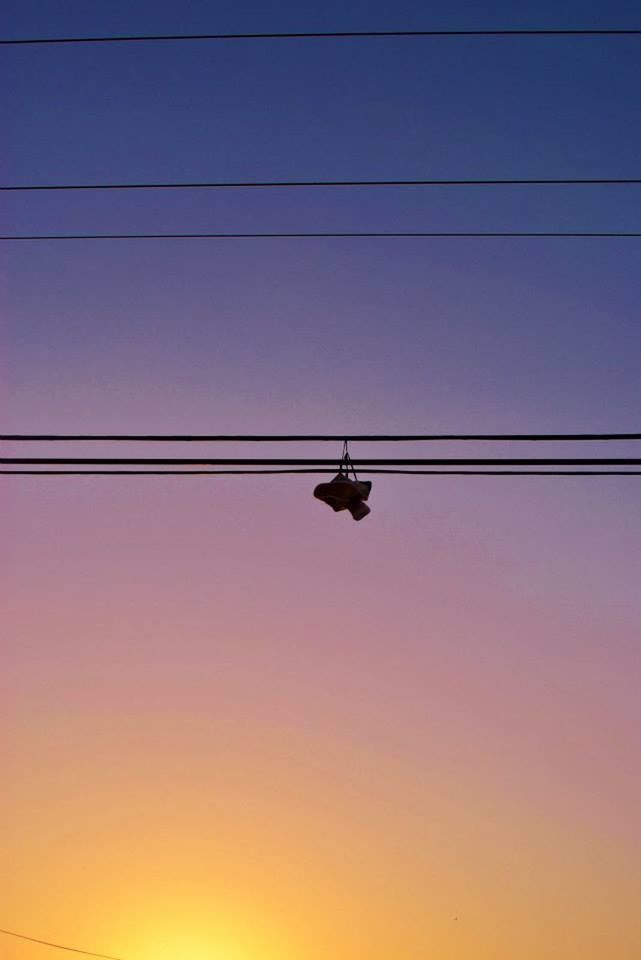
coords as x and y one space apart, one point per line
320 462
324 35
57 946
263 184
411 235
308 437
321 470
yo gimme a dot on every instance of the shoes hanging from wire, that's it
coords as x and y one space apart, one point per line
345 492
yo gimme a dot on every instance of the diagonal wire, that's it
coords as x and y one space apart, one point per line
257 184
326 35
57 946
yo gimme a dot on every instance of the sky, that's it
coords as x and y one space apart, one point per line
237 726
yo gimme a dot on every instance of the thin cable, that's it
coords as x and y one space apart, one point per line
307 437
319 470
264 184
325 35
57 946
170 473
319 462
354 235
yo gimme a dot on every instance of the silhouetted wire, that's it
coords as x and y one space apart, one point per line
326 35
57 946
361 462
263 184
307 437
321 470
335 235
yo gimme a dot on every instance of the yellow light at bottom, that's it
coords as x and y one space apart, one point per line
195 938
188 948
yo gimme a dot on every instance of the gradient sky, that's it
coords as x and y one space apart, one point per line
238 727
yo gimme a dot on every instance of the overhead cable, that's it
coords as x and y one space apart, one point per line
308 437
322 462
279 184
57 946
326 35
335 235
321 470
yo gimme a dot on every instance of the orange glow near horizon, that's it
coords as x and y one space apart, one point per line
314 765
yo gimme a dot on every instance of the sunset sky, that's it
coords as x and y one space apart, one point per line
237 726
